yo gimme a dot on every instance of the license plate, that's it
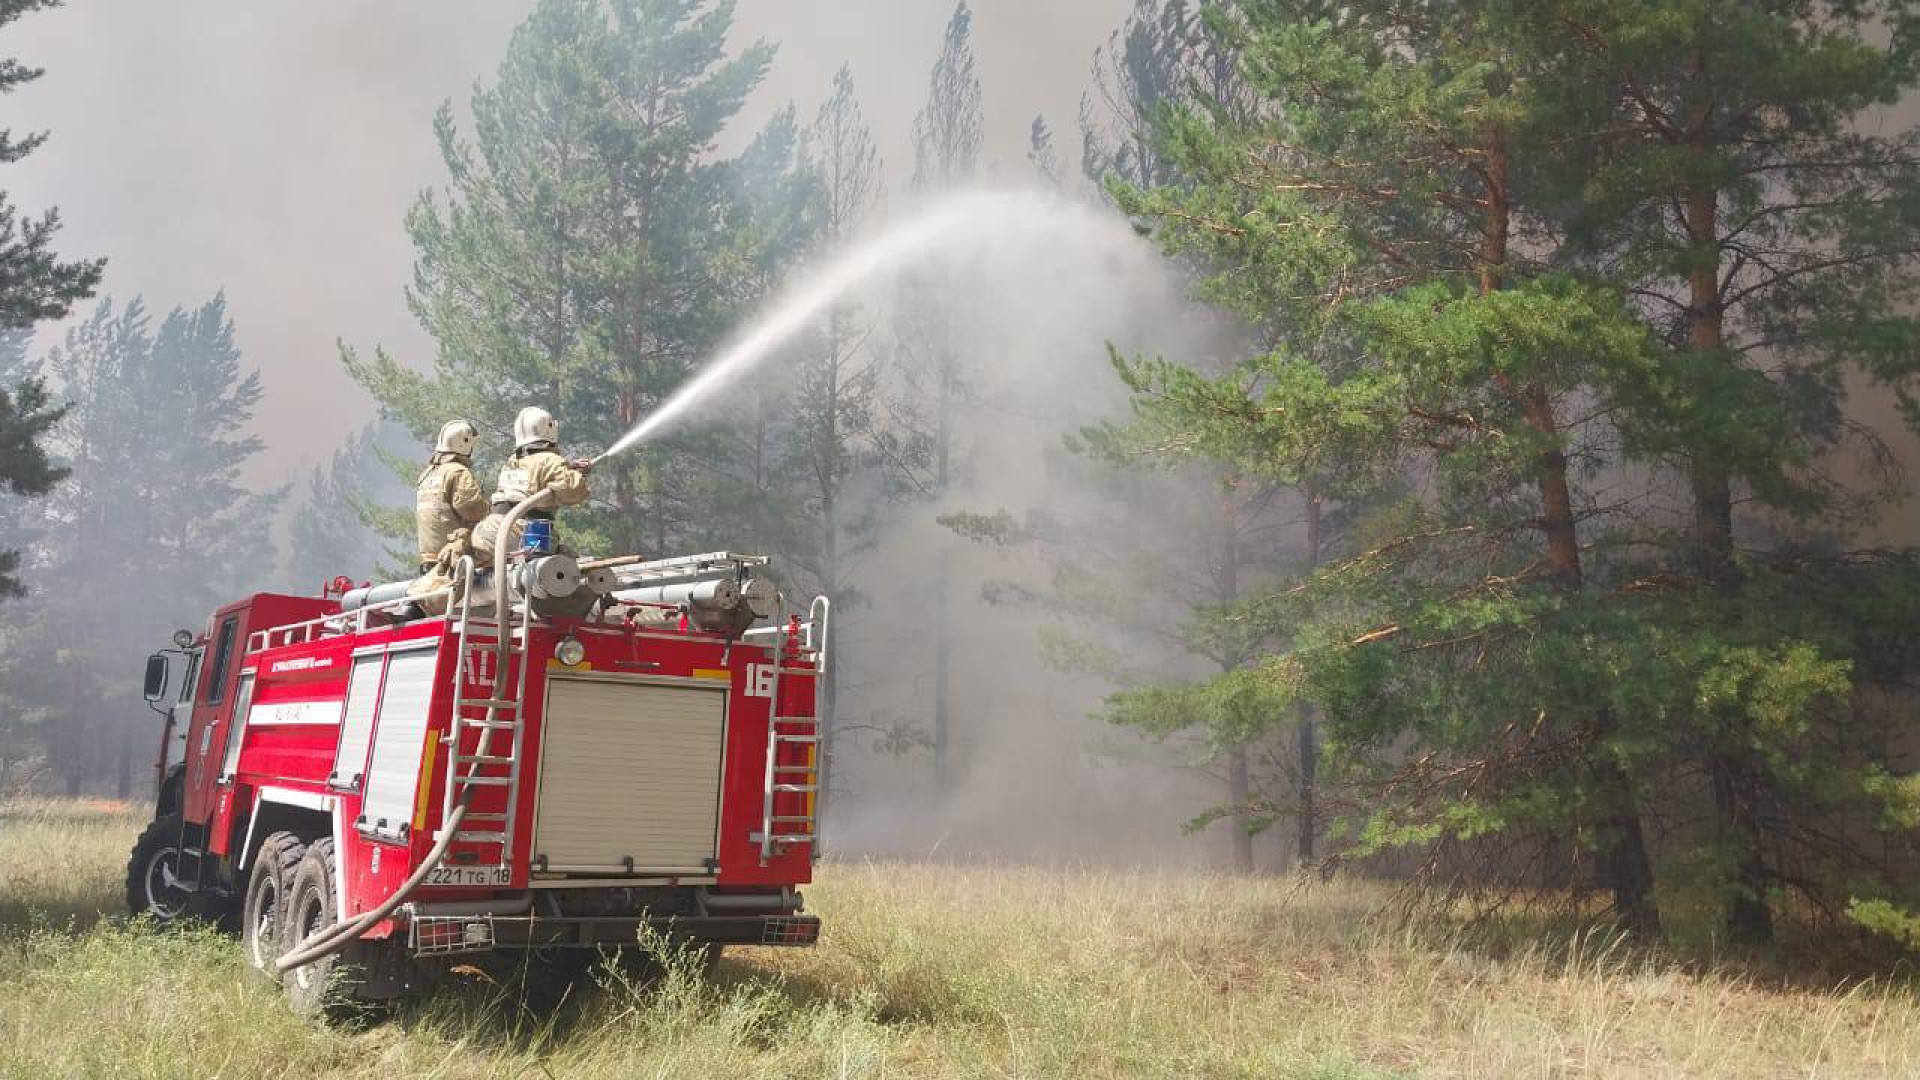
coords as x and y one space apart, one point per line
468 875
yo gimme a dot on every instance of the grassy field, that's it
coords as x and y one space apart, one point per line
937 971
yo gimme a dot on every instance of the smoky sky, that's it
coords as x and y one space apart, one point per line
272 149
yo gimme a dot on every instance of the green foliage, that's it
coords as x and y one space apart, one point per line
591 249
26 416
34 286
1887 920
1475 238
155 527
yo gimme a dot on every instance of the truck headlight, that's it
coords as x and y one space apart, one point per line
570 652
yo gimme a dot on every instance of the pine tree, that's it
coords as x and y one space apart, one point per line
34 286
156 509
1370 204
26 416
1531 243
1166 56
948 129
777 221
947 134
837 382
1767 223
1042 154
586 254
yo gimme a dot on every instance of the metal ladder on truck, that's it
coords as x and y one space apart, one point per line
808 778
480 722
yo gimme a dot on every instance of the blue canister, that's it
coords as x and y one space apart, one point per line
538 539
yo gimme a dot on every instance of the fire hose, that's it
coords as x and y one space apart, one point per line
332 939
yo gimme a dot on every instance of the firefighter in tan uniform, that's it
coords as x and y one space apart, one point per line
537 464
448 498
487 533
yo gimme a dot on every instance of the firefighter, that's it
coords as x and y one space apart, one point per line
448 498
537 464
487 533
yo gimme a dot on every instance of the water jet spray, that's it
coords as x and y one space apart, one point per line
950 224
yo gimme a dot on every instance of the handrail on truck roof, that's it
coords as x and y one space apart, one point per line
630 570
306 630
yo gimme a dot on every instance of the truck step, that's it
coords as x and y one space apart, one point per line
490 703
797 671
799 788
796 819
796 738
481 759
490 725
480 837
483 781
796 720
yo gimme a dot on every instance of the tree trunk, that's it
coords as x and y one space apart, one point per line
942 660
76 734
1238 794
942 738
1308 735
1706 334
1227 581
1624 859
1736 779
1309 766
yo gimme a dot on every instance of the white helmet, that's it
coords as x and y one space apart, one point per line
534 425
457 437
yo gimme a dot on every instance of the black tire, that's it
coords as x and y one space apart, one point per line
151 870
268 886
341 984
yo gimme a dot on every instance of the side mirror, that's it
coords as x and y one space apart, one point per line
156 683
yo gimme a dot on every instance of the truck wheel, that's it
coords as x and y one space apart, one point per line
268 887
335 985
151 869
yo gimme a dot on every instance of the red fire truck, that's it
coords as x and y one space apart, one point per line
574 757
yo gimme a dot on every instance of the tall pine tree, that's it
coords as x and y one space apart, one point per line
1370 205
587 254
1740 184
34 286
837 384
946 151
156 510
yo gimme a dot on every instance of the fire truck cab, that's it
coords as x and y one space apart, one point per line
617 756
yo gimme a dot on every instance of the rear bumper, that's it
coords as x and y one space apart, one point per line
439 934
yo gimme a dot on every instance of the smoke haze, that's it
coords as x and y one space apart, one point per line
273 149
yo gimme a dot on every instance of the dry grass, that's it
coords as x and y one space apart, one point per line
937 971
